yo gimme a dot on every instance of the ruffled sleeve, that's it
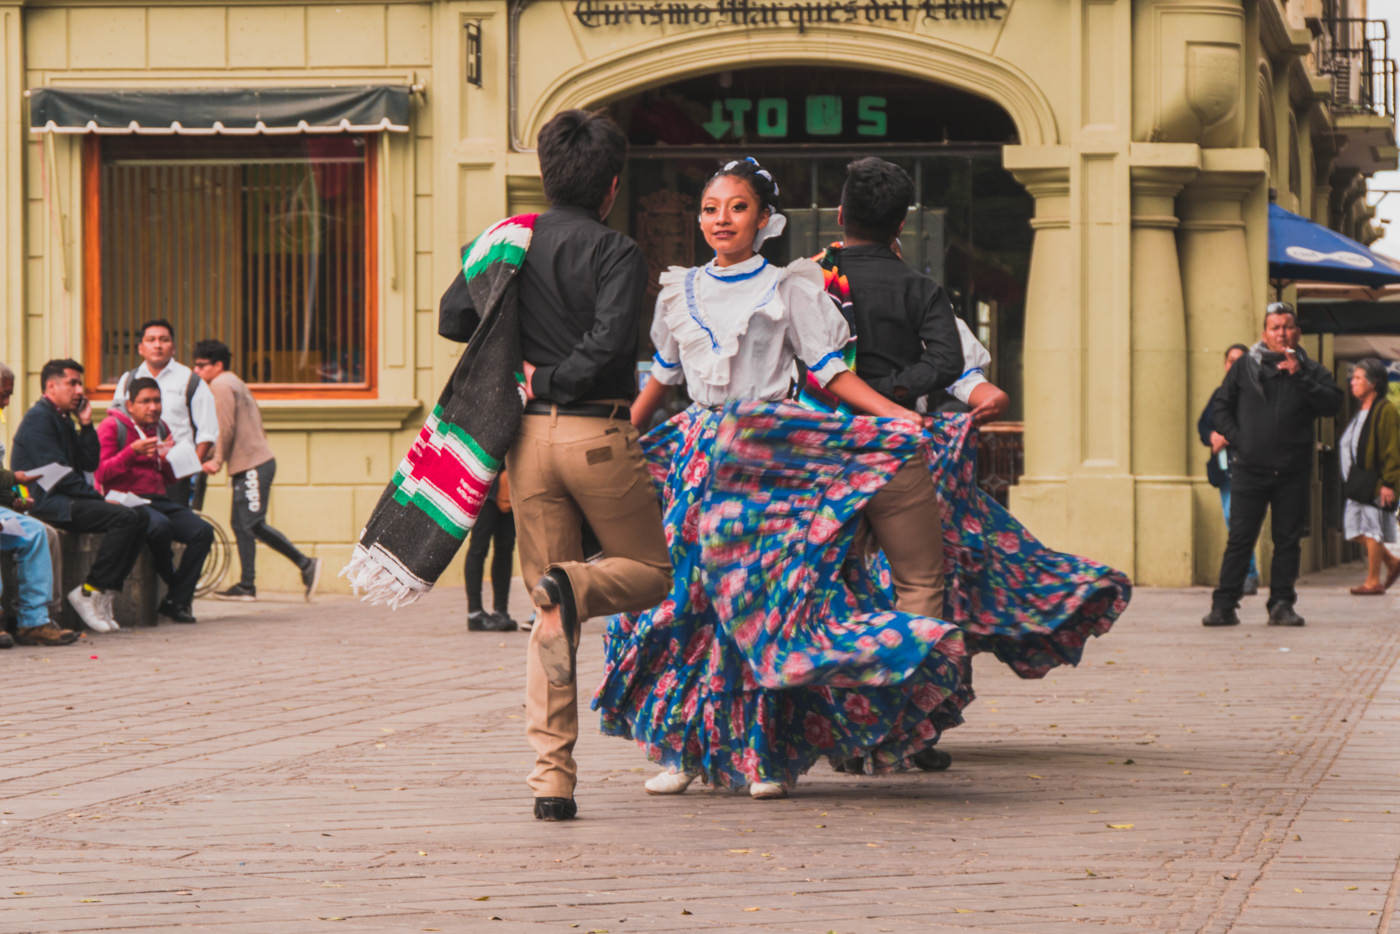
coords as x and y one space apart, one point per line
975 360
817 331
666 361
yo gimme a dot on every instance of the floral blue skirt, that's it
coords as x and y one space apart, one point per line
775 648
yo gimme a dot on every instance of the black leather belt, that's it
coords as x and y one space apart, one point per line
582 410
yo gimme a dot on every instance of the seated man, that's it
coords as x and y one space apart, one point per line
47 436
133 446
26 540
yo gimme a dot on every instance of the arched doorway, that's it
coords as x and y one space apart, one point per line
969 227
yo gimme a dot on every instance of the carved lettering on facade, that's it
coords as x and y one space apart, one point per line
799 13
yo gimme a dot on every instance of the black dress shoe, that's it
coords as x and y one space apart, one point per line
176 613
499 622
554 589
931 759
557 653
855 765
1220 616
555 809
1282 614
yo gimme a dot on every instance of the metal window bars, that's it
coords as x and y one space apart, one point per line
1356 53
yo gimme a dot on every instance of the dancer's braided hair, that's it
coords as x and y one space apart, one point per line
759 179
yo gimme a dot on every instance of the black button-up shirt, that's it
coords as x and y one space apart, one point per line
582 290
907 342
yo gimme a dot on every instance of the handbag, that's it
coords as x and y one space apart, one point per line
1360 484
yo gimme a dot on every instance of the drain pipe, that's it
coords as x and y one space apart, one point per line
513 76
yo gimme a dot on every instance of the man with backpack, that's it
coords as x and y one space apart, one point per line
187 405
133 445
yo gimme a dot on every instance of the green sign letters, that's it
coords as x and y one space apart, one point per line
821 115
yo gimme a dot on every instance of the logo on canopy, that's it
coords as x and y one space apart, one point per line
1304 255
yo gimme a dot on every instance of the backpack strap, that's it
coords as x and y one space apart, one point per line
123 385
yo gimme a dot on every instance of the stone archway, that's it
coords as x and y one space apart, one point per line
681 56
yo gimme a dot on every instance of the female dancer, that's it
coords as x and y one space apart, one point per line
768 655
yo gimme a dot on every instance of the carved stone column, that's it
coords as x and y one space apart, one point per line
1162 490
1052 356
1221 309
12 275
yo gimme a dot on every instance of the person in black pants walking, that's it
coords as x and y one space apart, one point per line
47 436
495 528
243 448
1267 406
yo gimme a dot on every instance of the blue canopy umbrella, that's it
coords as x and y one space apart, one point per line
1300 249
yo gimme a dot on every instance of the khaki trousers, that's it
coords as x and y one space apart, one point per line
905 521
565 470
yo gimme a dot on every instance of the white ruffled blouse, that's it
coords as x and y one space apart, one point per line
733 333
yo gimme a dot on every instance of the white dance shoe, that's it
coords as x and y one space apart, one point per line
668 783
767 790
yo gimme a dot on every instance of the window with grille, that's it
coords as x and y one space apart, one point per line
264 243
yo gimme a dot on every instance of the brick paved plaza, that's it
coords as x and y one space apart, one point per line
280 767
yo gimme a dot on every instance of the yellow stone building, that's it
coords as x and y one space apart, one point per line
1093 182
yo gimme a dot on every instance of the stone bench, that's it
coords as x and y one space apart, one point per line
73 556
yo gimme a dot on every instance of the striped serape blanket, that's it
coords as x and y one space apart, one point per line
436 493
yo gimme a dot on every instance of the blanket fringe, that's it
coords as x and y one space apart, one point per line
377 577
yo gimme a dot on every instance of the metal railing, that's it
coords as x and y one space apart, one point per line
1356 53
1001 458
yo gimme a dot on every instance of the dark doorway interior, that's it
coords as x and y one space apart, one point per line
969 227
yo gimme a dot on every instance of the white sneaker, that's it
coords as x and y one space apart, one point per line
668 783
105 600
88 606
767 790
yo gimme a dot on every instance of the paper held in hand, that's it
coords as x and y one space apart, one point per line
48 475
123 498
183 460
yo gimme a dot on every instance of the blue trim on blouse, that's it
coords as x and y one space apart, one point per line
694 308
969 372
670 366
767 296
825 360
736 277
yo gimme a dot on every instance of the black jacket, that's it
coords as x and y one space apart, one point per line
582 291
47 436
907 342
1217 475
1267 414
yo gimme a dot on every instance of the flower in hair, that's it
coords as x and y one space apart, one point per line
758 170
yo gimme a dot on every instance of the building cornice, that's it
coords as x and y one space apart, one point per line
1279 39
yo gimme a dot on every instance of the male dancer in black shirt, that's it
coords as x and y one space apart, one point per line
577 457
907 346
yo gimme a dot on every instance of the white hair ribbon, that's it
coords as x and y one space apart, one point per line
777 223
